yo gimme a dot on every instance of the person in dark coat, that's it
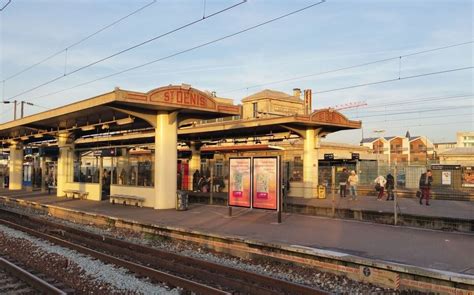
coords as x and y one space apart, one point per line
390 186
425 186
196 177
343 178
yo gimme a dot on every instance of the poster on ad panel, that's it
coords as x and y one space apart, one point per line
239 182
265 183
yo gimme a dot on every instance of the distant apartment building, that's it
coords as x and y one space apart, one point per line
402 150
465 139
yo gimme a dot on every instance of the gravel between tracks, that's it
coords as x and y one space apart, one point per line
93 276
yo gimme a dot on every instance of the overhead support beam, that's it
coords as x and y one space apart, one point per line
299 131
149 118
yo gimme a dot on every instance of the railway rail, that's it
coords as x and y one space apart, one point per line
191 274
16 280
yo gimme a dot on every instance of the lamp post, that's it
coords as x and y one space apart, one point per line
378 131
14 106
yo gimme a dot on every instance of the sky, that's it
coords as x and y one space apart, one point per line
332 35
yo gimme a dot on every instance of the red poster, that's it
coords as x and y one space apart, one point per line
265 183
239 182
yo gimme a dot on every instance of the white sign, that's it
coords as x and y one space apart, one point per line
446 177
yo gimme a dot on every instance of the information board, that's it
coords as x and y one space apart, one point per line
265 183
446 177
239 182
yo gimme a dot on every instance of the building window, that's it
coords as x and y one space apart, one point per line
255 109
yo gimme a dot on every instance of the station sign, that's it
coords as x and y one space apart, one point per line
445 167
48 151
355 156
266 183
240 182
328 157
112 152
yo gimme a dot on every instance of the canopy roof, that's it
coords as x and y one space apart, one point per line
119 104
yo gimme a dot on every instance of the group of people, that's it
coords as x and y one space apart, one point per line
348 179
383 184
202 182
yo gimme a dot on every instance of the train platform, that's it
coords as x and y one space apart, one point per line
448 252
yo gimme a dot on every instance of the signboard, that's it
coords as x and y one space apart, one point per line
445 167
446 178
468 177
239 182
328 157
355 156
266 183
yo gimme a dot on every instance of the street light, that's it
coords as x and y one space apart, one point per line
14 106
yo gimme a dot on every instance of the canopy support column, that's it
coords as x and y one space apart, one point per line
310 162
65 163
194 164
16 167
166 160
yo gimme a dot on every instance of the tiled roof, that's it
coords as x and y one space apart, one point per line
369 139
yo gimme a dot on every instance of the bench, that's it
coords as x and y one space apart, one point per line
127 200
75 193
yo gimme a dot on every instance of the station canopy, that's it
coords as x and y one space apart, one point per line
117 112
129 117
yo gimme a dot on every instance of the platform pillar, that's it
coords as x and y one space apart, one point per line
310 163
16 166
43 173
65 163
166 160
194 163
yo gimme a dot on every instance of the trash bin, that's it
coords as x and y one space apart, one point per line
181 200
321 192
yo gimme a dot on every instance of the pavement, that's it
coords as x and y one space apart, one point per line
445 251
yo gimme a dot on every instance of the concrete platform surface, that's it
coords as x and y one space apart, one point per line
443 251
410 206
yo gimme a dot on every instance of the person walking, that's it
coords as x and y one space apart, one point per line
379 186
425 186
353 182
343 177
390 186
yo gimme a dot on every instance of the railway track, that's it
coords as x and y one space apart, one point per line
191 274
16 280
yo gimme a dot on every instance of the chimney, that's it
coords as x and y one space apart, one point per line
297 92
308 101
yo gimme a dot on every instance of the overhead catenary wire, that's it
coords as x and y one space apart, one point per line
411 101
185 50
79 41
127 49
351 66
416 118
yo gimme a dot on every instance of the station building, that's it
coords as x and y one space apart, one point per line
150 144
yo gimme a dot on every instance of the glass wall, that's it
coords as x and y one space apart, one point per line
134 168
86 167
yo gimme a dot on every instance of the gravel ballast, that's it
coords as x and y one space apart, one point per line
102 278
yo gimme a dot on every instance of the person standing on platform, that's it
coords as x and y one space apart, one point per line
390 186
343 177
353 182
196 178
379 186
425 186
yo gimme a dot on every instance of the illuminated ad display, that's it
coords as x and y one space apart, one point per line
239 182
265 183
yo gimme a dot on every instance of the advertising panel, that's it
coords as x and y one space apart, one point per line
266 183
468 177
446 177
239 182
